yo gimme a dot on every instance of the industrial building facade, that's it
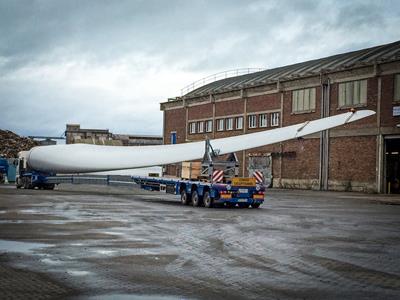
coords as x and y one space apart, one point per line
363 156
75 134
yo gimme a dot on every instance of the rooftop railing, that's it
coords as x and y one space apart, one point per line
218 76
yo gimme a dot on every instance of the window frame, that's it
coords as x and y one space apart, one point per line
351 89
230 122
200 127
237 123
219 122
192 127
249 123
209 126
396 88
299 97
273 124
264 117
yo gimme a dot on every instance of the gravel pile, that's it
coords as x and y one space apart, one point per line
11 144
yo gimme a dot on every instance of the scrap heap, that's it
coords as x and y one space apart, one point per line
11 144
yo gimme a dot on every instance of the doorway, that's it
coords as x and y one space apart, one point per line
392 165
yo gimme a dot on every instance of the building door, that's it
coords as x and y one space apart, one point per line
173 137
261 162
392 165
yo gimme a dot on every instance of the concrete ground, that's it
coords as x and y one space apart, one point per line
95 242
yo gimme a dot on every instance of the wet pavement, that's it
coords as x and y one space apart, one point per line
95 242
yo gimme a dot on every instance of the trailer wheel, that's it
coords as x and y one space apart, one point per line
18 183
255 205
184 198
195 199
208 201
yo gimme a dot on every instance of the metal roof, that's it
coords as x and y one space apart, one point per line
364 57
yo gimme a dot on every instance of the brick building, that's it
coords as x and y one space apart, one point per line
363 156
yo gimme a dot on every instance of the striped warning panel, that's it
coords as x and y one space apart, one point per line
259 176
218 175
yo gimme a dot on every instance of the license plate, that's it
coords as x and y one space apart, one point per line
242 200
240 181
243 191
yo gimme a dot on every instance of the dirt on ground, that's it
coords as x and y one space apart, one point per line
11 143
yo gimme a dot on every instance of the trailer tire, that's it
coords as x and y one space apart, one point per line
255 205
196 199
18 183
208 201
184 198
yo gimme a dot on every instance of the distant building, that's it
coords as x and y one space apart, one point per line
75 134
47 142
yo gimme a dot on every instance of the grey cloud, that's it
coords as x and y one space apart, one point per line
193 37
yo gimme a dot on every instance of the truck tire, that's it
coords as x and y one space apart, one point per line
255 205
18 183
196 202
184 198
208 201
49 186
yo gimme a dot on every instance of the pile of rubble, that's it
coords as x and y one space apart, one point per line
11 144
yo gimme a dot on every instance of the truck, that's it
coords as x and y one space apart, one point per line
216 185
28 178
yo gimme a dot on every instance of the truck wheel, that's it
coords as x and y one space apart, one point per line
18 183
208 201
184 198
196 199
255 205
49 186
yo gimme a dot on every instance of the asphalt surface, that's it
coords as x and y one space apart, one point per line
95 242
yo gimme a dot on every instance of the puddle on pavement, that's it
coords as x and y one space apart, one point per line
133 297
105 252
52 262
20 247
113 233
78 273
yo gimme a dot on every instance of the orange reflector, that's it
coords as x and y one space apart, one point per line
256 196
225 196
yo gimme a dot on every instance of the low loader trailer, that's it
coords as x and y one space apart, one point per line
242 192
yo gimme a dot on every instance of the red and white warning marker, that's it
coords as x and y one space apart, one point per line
218 176
259 176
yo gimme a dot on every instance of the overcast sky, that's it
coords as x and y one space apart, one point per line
108 64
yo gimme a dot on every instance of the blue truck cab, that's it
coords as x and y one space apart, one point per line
28 178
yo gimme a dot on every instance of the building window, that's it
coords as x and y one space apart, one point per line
229 124
220 125
303 100
262 119
275 119
397 87
209 126
239 123
200 127
353 93
192 127
252 121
